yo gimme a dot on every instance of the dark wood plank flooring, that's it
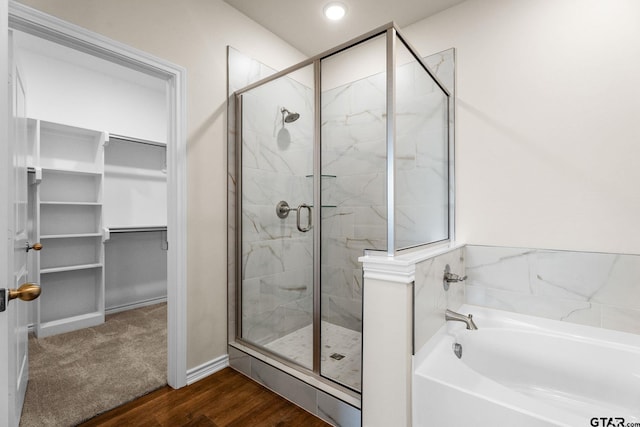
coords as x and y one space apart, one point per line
226 398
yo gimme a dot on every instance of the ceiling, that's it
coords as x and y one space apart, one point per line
302 24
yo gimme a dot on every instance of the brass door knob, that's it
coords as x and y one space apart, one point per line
26 292
35 247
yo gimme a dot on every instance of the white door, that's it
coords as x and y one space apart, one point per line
13 256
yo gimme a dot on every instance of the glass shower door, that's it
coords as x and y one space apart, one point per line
353 193
276 169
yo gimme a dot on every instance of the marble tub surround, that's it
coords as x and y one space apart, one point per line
596 289
431 299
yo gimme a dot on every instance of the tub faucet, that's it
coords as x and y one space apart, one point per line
468 320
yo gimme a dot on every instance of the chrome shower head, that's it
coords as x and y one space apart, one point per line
290 117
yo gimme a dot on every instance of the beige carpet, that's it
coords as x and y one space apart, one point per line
77 375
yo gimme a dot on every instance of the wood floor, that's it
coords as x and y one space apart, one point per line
226 398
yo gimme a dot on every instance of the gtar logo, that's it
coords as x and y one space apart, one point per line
607 422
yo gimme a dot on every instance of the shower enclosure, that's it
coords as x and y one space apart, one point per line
344 153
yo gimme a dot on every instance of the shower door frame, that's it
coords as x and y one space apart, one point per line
392 34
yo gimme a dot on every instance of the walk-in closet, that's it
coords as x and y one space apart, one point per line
97 136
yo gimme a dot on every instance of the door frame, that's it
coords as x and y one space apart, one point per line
6 255
32 21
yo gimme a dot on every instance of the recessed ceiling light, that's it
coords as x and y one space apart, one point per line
335 11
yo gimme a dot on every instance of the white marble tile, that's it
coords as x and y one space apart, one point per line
298 346
242 71
341 311
354 149
289 387
429 302
566 274
342 282
565 285
338 222
621 319
498 268
361 190
372 233
261 327
265 258
336 412
413 227
575 311
369 93
260 223
370 215
355 158
344 252
239 361
344 130
430 297
622 287
442 64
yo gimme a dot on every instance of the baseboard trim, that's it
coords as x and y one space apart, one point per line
133 305
207 368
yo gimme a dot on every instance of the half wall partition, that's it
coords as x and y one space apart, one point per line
344 153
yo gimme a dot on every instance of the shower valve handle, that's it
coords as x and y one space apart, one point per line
283 209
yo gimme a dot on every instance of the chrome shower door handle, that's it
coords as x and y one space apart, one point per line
298 211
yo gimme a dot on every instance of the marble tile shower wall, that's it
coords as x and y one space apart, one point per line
354 209
354 173
354 167
431 299
276 165
596 289
421 197
241 71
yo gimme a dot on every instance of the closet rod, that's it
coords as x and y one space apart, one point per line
136 229
136 140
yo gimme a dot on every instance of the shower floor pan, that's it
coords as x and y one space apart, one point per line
341 356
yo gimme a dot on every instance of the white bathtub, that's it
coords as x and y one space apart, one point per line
518 370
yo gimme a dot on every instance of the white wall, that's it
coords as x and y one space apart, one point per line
548 128
193 34
73 88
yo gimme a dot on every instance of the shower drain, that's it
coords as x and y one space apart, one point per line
337 356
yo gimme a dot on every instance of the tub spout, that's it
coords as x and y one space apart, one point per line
467 320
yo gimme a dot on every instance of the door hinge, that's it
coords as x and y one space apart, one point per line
3 300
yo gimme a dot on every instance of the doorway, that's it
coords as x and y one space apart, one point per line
35 23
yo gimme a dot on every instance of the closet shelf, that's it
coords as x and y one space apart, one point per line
70 236
71 203
120 138
137 228
72 171
135 172
69 268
